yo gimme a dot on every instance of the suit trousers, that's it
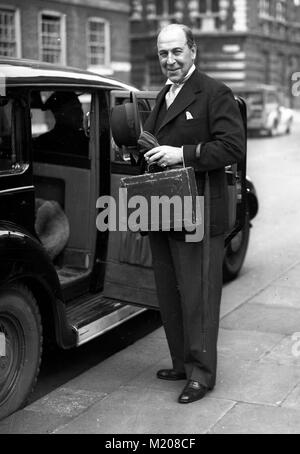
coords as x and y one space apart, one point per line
178 276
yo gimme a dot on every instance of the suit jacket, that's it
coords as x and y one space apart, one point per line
216 124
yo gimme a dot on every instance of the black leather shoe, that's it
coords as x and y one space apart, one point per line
193 391
170 374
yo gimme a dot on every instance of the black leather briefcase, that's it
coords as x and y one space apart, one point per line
174 190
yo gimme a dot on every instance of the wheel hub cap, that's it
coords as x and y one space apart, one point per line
11 354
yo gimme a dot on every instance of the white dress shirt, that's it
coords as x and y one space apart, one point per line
173 92
175 88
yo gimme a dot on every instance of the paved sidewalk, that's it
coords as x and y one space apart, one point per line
257 391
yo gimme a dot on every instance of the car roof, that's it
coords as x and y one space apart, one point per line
21 72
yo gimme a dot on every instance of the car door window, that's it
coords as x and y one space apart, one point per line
13 147
60 126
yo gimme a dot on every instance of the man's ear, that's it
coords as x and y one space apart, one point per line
194 48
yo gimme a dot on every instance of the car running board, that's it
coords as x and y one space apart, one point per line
96 315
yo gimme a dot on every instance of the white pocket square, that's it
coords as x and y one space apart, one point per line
188 115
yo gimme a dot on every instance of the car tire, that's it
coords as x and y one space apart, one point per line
235 252
273 131
21 349
288 127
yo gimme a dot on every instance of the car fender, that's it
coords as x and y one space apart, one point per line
252 199
23 259
272 116
286 114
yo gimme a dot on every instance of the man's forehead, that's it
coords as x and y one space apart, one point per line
171 38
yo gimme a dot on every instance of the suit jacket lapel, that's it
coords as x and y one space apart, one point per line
151 121
184 98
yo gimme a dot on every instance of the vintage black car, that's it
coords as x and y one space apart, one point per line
61 279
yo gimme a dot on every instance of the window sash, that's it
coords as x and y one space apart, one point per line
98 42
210 7
165 8
8 35
51 38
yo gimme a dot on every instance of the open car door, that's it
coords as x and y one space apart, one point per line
128 269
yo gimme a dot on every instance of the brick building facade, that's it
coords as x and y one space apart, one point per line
88 34
239 41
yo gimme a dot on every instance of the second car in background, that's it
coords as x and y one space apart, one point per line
267 110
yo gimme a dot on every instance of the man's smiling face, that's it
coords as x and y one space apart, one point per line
175 56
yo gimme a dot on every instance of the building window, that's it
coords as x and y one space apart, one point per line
264 8
209 6
281 11
98 41
165 7
154 76
52 38
206 14
266 65
282 65
10 39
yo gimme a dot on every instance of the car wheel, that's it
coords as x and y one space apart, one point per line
21 346
274 129
235 252
288 127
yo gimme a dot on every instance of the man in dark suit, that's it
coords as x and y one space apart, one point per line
197 123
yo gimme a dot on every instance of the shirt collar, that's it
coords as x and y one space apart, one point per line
190 72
